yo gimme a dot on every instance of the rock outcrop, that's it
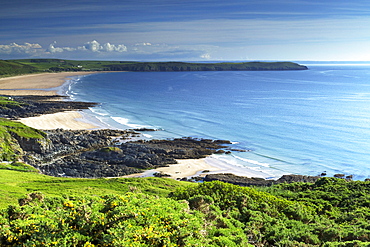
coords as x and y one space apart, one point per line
30 106
108 153
245 181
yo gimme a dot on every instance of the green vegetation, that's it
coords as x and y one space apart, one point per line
127 220
20 129
8 103
15 184
17 166
11 133
270 219
58 65
9 147
12 68
165 212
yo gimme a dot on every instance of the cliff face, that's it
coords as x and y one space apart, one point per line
39 145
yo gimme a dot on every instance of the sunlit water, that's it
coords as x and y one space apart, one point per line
293 122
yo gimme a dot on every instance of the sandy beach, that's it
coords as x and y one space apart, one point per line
60 120
35 84
39 84
201 167
187 168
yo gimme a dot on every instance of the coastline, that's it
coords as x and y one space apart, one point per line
48 84
43 85
36 84
188 168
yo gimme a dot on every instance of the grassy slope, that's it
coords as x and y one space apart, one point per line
20 129
12 68
16 184
9 130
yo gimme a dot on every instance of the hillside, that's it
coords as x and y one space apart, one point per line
164 212
25 66
40 210
12 68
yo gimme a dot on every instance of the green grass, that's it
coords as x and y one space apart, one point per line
11 68
9 147
10 133
16 184
8 103
17 166
20 129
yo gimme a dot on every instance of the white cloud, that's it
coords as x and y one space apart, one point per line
14 48
143 44
95 50
95 46
54 49
206 56
86 50
111 48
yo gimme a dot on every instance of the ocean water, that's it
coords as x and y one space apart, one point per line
292 122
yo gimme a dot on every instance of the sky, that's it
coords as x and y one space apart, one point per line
187 30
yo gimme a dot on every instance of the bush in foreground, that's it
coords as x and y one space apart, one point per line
206 214
129 220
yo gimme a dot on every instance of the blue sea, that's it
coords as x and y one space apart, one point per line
291 122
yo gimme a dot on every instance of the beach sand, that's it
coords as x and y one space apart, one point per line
201 167
60 120
31 84
187 168
40 84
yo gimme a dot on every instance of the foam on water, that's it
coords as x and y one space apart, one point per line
126 122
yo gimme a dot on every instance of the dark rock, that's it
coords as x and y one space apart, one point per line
161 175
31 106
339 175
246 181
297 178
237 180
145 129
185 148
97 153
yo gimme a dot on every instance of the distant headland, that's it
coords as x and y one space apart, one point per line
27 66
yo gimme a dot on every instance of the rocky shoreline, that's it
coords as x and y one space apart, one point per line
245 181
31 106
109 153
113 153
